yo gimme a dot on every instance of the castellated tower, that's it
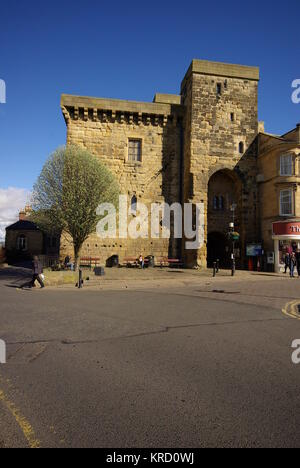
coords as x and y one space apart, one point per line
199 146
220 127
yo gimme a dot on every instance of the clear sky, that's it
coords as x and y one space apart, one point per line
129 50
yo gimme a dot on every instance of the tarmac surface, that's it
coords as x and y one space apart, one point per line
193 362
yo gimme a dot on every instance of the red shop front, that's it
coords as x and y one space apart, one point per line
286 236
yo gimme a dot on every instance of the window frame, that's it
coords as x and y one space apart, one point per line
24 242
139 141
281 211
281 166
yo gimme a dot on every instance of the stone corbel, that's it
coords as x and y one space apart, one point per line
156 121
140 118
113 116
66 114
148 120
86 114
165 120
131 119
104 117
122 118
76 113
95 115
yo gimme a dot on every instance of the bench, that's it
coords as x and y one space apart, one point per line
90 262
132 262
168 262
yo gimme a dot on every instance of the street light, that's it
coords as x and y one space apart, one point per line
231 227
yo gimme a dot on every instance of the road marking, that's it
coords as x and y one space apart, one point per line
291 309
25 426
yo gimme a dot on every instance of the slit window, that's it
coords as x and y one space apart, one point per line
133 205
241 147
219 89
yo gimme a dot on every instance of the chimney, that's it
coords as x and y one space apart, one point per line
22 215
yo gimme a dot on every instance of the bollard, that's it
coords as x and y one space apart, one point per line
218 265
233 267
214 269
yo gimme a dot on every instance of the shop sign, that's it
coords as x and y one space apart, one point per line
282 228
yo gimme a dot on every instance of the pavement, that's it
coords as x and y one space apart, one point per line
190 361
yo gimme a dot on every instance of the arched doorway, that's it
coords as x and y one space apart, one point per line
224 207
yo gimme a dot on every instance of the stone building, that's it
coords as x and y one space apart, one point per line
278 181
24 240
200 146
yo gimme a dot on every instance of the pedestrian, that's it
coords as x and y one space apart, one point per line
37 271
142 261
286 261
298 262
293 263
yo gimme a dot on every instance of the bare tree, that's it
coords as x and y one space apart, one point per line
68 191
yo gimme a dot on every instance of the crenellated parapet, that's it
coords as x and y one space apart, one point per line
86 109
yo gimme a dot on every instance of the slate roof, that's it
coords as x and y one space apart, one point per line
23 226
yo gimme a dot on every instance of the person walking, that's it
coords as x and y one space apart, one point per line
298 262
287 259
37 271
293 263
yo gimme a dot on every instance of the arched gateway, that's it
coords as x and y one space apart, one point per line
224 206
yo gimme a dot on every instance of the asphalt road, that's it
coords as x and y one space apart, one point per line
154 368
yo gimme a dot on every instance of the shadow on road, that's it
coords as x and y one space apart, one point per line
17 276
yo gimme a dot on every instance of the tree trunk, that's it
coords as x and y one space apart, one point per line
76 257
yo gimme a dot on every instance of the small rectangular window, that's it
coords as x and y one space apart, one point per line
135 150
286 165
286 203
219 89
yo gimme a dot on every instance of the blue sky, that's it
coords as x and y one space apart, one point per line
129 50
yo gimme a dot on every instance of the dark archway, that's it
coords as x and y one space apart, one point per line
224 192
218 249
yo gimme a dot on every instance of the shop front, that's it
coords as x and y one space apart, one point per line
286 236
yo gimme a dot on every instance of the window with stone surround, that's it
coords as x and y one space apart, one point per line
22 243
133 205
218 203
286 165
286 202
134 150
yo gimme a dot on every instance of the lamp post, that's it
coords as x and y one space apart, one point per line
231 227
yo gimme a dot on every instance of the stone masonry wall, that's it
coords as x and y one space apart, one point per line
153 180
217 121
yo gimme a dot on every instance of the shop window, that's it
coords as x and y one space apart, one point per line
22 243
286 165
286 202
